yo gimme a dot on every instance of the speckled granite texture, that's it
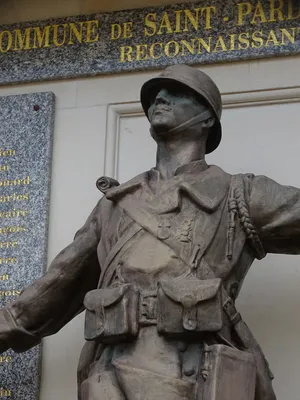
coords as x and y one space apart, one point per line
194 33
26 127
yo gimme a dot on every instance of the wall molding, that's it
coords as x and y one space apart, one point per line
117 111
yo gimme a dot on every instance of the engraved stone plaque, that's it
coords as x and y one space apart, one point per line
26 130
201 32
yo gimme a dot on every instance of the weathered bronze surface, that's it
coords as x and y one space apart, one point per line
160 262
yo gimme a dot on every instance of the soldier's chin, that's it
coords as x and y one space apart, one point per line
160 130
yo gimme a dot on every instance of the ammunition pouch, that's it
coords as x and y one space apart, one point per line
112 314
189 305
228 374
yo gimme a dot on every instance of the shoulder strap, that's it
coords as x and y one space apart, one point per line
117 248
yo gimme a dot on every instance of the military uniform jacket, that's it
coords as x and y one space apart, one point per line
220 221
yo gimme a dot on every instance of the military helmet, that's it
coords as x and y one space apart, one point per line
196 80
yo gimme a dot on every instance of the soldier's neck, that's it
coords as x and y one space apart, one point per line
172 155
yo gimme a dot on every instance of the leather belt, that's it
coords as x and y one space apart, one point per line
148 308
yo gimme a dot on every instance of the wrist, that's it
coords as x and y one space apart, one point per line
5 330
14 336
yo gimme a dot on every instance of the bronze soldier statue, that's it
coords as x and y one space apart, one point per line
160 262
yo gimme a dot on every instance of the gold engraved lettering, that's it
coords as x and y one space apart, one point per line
156 50
11 292
172 48
243 41
14 213
4 168
91 31
199 45
178 21
291 16
141 52
76 32
22 41
5 393
12 229
150 22
6 40
208 11
4 277
244 9
15 182
220 45
202 43
14 197
165 25
272 39
181 21
257 40
7 153
41 37
56 30
285 34
116 31
127 30
7 245
126 53
232 41
5 359
259 14
276 13
188 46
52 35
8 260
190 18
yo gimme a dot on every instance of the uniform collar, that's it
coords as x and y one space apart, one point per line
204 185
194 167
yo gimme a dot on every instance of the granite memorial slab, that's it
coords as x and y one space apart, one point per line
191 33
26 130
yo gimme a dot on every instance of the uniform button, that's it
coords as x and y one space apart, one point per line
189 371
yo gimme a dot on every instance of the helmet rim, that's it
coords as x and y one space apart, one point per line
154 85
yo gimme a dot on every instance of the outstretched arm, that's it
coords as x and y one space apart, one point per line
275 212
49 303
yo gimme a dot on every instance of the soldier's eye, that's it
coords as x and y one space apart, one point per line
178 94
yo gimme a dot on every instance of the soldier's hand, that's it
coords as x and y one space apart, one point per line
4 332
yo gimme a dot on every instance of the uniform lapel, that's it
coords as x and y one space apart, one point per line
207 189
135 185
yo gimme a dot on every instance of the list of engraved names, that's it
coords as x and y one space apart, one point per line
26 130
13 213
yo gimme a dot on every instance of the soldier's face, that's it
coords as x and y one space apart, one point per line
171 107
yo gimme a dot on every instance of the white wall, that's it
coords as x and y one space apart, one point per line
260 136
